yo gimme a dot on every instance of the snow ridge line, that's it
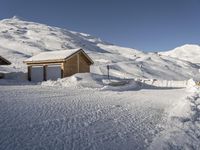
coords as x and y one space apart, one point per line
183 130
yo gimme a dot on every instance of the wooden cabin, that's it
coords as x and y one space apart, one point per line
3 61
57 64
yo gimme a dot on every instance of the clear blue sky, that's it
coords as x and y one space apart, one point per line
147 25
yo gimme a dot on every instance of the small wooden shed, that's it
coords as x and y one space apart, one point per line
57 64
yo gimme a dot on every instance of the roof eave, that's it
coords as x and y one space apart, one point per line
44 61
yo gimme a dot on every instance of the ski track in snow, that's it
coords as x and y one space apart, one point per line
37 117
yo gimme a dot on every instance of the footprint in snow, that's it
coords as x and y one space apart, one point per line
117 106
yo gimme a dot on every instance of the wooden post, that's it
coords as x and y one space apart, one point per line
45 72
62 69
29 72
78 63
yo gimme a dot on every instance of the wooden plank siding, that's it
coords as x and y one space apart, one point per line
71 66
76 64
84 66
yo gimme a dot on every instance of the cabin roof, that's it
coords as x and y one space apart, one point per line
4 61
55 56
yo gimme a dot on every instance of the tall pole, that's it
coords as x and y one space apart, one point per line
108 68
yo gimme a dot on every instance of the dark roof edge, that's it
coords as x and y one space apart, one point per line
8 62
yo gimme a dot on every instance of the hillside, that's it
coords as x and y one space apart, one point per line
186 52
20 40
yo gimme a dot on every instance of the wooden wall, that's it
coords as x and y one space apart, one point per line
70 66
76 64
83 64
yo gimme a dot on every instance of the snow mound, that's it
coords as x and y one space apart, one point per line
183 130
126 85
99 82
86 80
94 81
15 78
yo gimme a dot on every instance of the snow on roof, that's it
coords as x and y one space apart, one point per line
53 55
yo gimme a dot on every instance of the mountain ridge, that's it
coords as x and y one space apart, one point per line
188 52
20 40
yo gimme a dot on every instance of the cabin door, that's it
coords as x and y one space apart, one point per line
37 73
53 72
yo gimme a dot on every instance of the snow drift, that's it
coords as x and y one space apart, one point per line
183 129
99 82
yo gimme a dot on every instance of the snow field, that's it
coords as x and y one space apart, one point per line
38 117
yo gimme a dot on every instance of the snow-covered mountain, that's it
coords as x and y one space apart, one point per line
20 40
187 52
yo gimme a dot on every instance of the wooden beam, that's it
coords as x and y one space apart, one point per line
78 63
62 67
44 62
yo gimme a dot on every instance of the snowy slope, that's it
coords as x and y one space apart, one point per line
186 52
54 118
20 40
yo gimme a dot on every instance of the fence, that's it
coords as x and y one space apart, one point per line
169 83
